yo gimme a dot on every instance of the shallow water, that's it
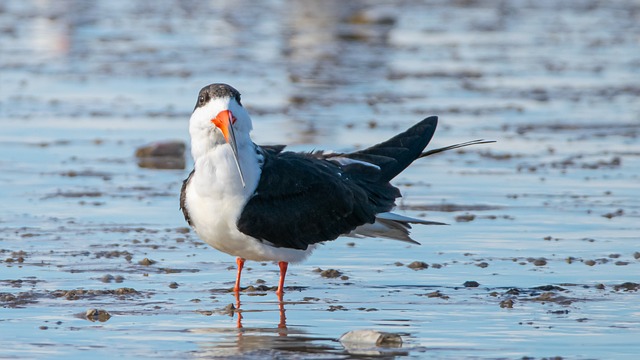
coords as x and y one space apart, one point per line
545 220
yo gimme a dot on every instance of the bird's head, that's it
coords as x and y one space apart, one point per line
219 119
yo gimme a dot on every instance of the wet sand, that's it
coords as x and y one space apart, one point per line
542 255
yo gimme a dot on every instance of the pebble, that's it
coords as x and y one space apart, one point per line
506 304
146 262
97 315
331 273
418 265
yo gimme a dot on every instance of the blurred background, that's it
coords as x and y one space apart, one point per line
83 84
313 67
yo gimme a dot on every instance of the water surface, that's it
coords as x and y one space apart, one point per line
545 220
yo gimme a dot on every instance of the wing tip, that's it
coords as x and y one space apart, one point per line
432 119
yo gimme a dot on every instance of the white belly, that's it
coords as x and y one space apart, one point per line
215 198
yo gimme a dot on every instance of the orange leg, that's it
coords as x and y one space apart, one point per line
283 272
240 262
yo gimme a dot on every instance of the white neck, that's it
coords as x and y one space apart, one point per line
217 173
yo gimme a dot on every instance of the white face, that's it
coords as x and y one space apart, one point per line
205 135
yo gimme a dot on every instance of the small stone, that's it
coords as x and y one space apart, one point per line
506 304
229 309
465 218
173 285
436 294
418 265
97 315
146 262
589 262
331 273
540 262
183 230
545 296
125 291
617 213
471 284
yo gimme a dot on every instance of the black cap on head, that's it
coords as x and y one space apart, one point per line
215 91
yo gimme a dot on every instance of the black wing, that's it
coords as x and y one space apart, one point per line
395 154
303 199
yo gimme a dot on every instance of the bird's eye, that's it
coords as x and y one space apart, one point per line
201 99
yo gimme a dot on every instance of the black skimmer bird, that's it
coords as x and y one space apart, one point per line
262 203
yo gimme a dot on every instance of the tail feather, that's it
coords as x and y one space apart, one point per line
392 226
456 146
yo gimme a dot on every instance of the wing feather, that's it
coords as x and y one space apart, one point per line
301 200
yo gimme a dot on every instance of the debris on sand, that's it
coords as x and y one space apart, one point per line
435 294
77 294
627 286
18 300
551 297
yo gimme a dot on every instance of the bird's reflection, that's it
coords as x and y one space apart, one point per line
258 341
243 341
282 325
